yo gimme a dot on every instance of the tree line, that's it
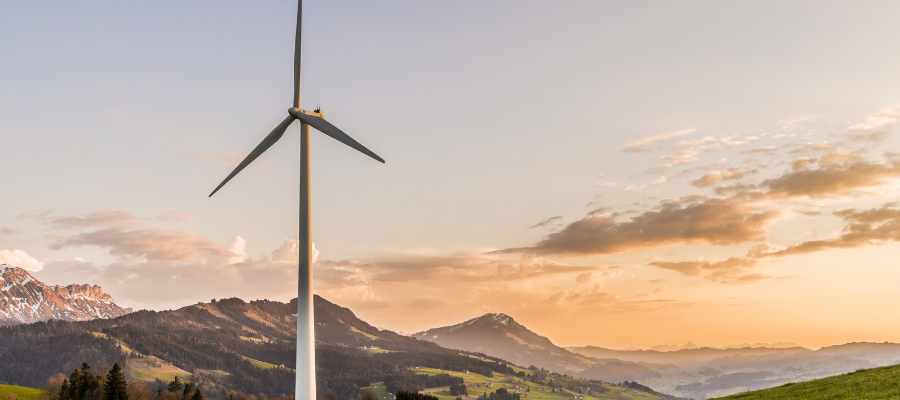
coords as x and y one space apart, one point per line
110 384
500 394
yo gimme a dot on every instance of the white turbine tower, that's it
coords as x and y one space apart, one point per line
305 388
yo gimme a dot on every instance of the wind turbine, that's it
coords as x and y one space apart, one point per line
305 388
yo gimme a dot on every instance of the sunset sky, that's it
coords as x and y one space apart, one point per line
607 173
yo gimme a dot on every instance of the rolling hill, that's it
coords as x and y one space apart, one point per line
231 344
707 372
20 392
876 383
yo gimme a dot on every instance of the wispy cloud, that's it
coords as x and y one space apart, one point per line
650 142
107 218
715 177
21 259
742 213
732 271
796 122
547 221
863 228
878 119
177 215
688 151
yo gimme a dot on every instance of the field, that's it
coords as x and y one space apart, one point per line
259 364
379 388
376 351
21 393
250 339
149 368
875 383
510 382
373 337
125 348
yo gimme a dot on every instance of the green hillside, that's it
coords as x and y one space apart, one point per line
570 387
875 383
21 392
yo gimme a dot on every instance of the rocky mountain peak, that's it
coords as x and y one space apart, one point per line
11 273
24 299
92 291
501 318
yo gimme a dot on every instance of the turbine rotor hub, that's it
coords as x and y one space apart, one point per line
293 111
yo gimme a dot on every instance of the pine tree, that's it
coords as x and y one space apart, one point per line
197 395
64 390
175 385
87 383
74 381
188 390
115 384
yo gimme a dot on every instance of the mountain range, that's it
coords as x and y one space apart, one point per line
691 371
24 299
232 344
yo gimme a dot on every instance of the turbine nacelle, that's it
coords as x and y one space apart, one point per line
315 119
294 111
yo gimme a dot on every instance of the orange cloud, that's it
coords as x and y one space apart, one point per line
834 179
863 228
691 219
111 218
151 243
460 267
547 221
728 271
648 143
714 177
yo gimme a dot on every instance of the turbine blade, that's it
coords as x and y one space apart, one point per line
297 55
260 148
327 128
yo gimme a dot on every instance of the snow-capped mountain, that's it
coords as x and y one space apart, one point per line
24 299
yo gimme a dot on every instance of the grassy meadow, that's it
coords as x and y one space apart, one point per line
875 383
21 393
511 381
260 364
149 368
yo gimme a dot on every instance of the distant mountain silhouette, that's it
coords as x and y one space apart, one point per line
499 335
708 372
685 358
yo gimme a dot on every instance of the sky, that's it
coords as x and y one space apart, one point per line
608 173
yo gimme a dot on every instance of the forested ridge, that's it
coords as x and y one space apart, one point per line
213 342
